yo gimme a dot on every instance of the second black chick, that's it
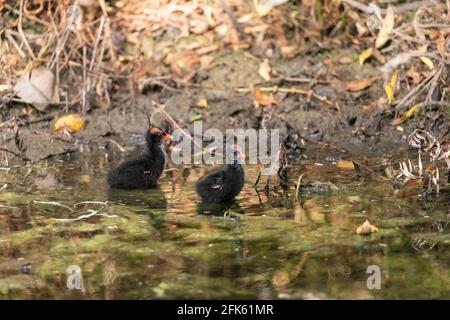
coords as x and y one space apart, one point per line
225 184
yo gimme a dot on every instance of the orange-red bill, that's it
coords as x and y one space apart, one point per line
166 137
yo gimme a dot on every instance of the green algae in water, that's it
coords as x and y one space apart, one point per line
161 244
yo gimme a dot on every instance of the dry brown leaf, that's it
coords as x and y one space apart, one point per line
379 56
288 51
202 103
440 44
360 84
37 87
414 75
386 28
260 99
366 228
265 70
70 123
209 49
345 165
345 60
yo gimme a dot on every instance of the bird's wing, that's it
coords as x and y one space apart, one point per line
215 180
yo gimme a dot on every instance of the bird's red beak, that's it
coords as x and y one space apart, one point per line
166 137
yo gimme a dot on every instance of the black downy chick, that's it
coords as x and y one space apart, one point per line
142 172
226 183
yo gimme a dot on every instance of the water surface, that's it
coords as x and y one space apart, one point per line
161 244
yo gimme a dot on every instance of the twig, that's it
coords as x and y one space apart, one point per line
15 45
292 90
121 149
16 154
22 34
8 207
161 107
399 9
54 203
370 170
236 25
297 189
89 215
414 92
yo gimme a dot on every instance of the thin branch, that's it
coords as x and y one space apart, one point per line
22 34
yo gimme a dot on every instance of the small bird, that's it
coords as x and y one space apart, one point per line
225 184
144 171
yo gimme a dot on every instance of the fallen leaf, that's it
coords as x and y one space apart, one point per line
440 44
390 87
37 87
360 84
260 99
386 28
407 114
345 60
414 75
263 7
428 62
366 228
411 112
70 123
345 165
379 56
85 178
363 56
288 51
202 103
265 70
195 117
5 87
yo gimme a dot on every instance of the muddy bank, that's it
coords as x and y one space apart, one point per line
344 124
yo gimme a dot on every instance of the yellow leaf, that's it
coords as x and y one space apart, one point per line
386 28
428 62
70 123
366 228
411 112
366 54
390 87
202 103
407 114
345 164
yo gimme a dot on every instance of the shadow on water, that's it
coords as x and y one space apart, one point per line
152 203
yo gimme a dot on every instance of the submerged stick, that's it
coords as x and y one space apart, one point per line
297 190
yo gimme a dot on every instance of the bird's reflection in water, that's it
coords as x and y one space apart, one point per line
151 202
219 209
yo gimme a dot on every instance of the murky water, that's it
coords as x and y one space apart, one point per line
161 244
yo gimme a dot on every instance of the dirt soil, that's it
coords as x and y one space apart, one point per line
344 125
